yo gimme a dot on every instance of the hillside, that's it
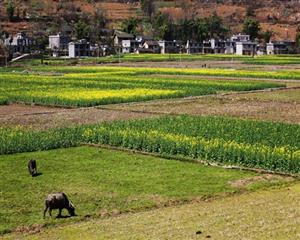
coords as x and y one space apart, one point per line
281 17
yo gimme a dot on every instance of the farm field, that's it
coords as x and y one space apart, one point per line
272 214
104 182
271 146
136 58
90 86
179 131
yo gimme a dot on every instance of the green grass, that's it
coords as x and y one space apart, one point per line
90 86
264 215
99 181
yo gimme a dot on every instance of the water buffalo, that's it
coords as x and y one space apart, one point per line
32 168
58 201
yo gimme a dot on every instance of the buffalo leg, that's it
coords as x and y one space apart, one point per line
45 211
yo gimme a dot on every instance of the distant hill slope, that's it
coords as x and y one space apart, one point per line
280 16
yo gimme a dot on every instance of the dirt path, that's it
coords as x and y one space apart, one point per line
272 214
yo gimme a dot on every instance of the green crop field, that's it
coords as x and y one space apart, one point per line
103 182
260 60
271 146
89 86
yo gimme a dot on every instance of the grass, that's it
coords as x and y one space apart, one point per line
90 86
100 181
271 214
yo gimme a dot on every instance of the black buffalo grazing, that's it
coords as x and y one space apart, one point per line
32 168
58 201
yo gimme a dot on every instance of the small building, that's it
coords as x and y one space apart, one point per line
151 46
129 46
193 47
20 43
80 48
240 38
59 44
168 46
282 47
142 39
246 48
120 36
218 46
214 46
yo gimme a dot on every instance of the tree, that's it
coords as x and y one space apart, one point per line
162 26
130 25
10 10
251 27
148 8
267 35
81 30
215 26
297 39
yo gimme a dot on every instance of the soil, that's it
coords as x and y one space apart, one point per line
242 183
44 118
209 64
234 105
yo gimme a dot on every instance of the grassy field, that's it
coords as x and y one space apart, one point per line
90 86
102 182
272 214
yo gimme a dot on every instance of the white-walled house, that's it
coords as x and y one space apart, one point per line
59 44
193 47
168 46
246 48
281 47
129 46
80 48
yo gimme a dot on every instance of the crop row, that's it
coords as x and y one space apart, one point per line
271 146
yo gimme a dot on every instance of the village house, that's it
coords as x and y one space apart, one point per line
193 47
168 46
282 47
142 39
246 48
129 46
80 48
20 43
151 46
213 46
120 36
58 44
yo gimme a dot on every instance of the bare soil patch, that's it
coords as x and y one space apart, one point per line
242 183
208 63
44 118
261 106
